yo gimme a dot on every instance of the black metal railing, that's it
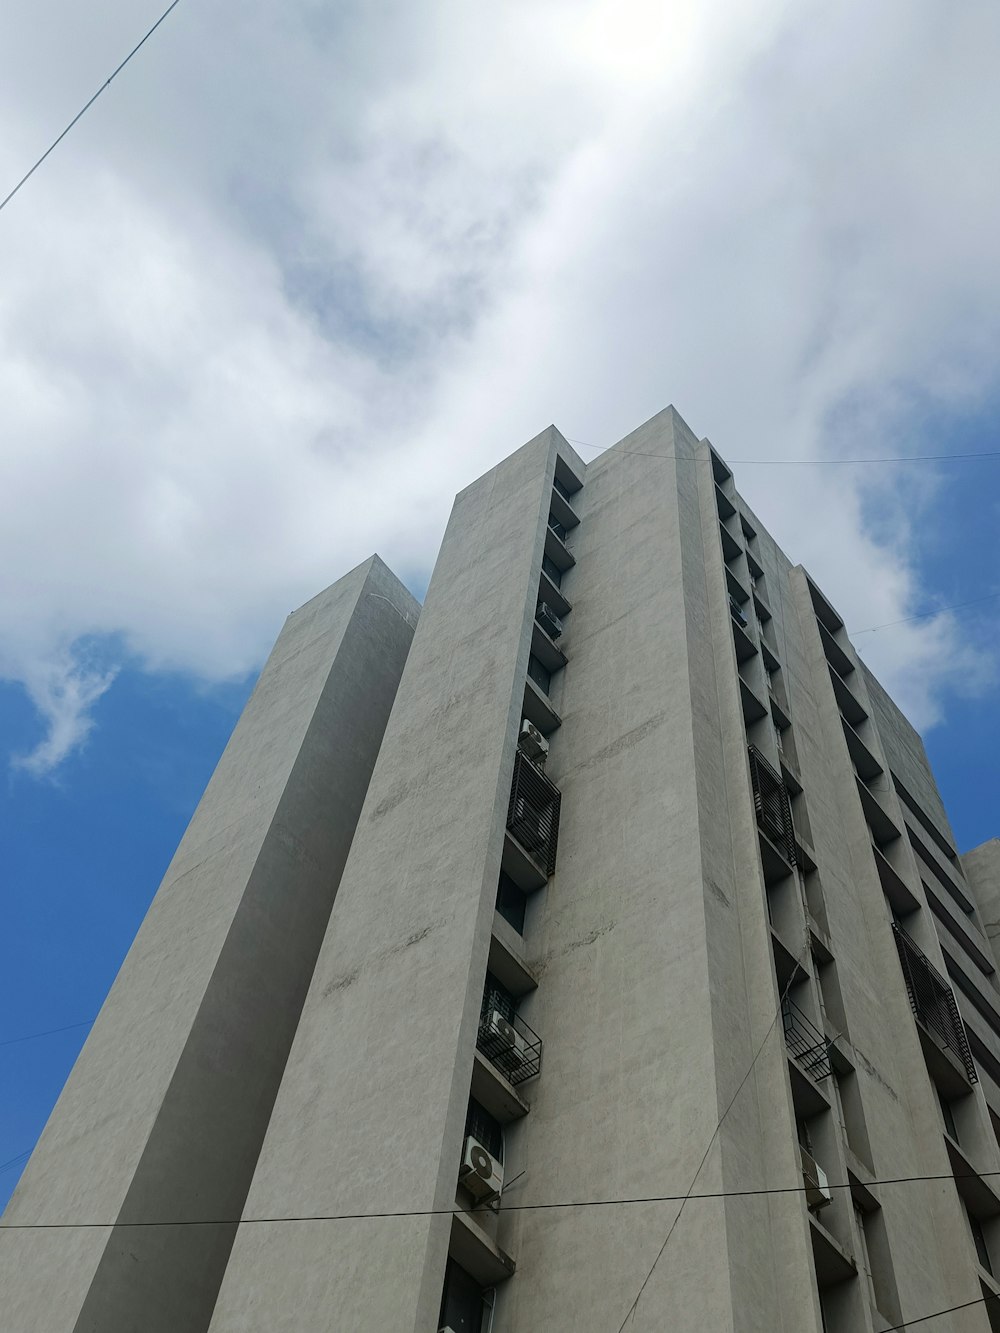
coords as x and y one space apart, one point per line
772 804
533 812
805 1041
506 1040
557 527
933 1000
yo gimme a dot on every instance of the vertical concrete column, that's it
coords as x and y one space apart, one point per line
370 1112
164 1113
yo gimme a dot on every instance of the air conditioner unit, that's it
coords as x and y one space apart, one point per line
532 742
515 1048
548 620
481 1173
447 1328
818 1191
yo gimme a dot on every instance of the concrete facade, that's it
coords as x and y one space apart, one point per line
754 966
163 1115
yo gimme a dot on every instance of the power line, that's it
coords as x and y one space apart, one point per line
13 1161
49 1032
922 1319
83 110
923 615
550 1206
798 462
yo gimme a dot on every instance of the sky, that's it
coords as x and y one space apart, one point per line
305 271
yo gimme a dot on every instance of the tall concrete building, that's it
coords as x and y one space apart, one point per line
650 894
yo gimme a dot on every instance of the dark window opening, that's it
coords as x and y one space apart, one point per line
484 1128
511 902
538 673
557 527
550 567
462 1301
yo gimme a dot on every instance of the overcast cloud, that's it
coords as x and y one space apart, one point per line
305 271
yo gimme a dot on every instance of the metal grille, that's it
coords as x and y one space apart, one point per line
484 1128
505 1038
932 999
774 810
533 812
805 1041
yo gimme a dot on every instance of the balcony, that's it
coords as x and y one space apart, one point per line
865 763
723 503
555 545
883 830
737 613
805 1041
731 548
533 814
550 589
846 701
544 648
537 707
835 655
774 811
562 510
742 642
942 1033
507 1041
898 893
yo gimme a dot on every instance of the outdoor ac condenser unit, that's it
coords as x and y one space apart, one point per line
548 620
532 742
818 1191
515 1047
481 1173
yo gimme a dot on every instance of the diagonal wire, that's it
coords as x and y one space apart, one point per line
715 1134
83 110
922 1319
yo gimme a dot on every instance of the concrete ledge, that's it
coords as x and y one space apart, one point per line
476 1252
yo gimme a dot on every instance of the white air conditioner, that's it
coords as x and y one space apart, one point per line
481 1173
446 1329
515 1048
818 1191
532 742
548 620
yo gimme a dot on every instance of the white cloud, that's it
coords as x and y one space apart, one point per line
302 274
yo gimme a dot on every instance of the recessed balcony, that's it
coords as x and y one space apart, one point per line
883 829
731 549
867 766
545 650
477 1252
898 893
533 815
744 645
537 708
939 1023
835 655
556 549
753 709
562 511
772 806
846 700
723 503
552 595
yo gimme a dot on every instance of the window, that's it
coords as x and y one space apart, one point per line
553 571
511 902
481 1126
538 673
462 1301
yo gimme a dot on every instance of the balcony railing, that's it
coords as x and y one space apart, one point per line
805 1041
774 810
932 1000
533 812
506 1040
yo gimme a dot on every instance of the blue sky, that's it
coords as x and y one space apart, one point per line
251 333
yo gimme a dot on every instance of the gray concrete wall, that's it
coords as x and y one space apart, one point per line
371 1111
982 869
164 1113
